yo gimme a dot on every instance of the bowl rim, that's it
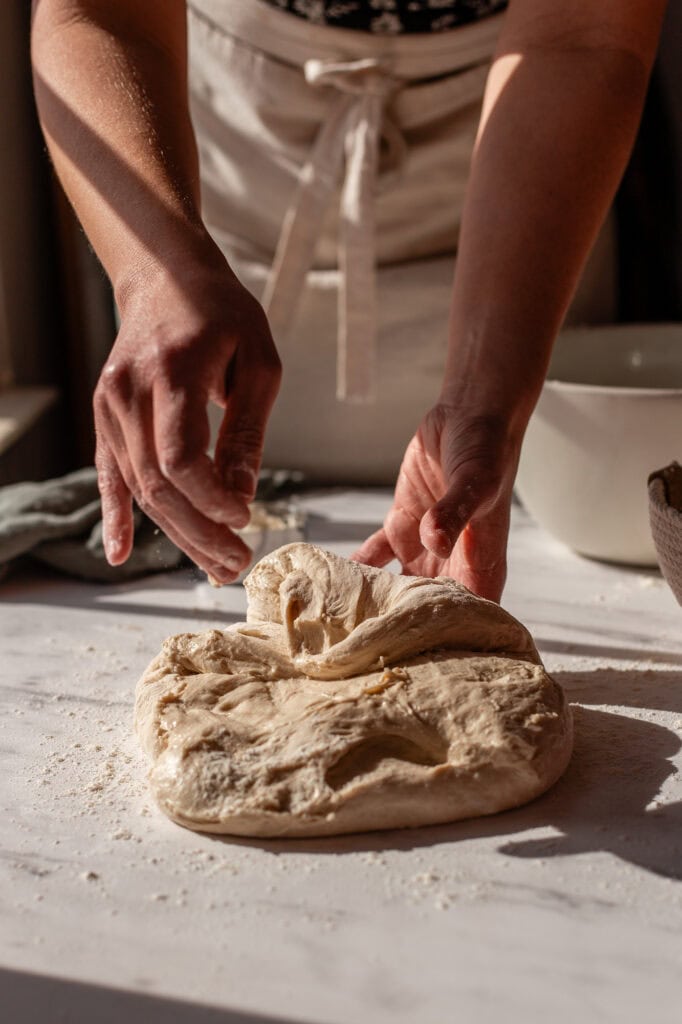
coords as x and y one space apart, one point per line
592 331
658 328
611 389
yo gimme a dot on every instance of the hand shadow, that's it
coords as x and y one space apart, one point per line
619 764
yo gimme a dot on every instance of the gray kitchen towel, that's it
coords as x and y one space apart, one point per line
58 522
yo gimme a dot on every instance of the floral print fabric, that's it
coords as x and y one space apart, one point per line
391 17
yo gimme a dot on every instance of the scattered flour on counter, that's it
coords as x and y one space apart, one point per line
67 832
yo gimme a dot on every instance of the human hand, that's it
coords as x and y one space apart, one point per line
186 337
450 512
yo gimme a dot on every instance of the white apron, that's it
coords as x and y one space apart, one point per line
333 169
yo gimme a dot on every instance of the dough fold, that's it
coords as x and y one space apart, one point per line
352 699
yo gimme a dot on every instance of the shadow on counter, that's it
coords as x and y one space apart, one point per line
28 998
42 587
611 796
608 799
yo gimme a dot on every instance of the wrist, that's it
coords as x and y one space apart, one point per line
496 375
193 255
501 412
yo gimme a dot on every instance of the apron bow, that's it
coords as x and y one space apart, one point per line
350 136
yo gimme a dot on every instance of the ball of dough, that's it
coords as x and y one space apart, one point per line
352 699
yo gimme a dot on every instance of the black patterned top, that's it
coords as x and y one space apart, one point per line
391 17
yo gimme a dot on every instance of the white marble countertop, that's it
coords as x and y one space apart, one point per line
569 909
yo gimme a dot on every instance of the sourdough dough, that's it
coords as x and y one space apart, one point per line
351 699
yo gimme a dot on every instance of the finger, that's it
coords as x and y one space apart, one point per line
239 448
217 573
181 436
117 506
220 572
482 553
211 545
402 530
470 493
426 565
111 425
375 551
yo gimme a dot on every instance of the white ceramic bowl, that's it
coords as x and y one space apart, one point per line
609 414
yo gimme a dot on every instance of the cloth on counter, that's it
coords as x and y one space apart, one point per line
59 522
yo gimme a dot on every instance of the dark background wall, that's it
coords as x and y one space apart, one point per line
650 199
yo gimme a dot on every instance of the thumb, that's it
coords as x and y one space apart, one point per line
472 490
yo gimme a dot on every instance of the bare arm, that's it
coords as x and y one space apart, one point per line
562 106
111 87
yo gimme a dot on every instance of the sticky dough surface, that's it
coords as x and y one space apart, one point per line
351 699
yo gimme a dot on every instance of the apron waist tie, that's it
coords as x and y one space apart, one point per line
351 135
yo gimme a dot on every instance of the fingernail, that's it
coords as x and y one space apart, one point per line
234 564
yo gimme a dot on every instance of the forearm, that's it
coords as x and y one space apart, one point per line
557 128
110 83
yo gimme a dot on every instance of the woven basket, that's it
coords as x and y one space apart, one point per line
665 516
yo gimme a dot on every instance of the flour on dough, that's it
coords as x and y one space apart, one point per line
351 699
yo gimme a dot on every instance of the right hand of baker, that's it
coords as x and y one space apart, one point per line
186 337
451 507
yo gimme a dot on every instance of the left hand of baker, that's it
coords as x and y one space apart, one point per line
450 512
